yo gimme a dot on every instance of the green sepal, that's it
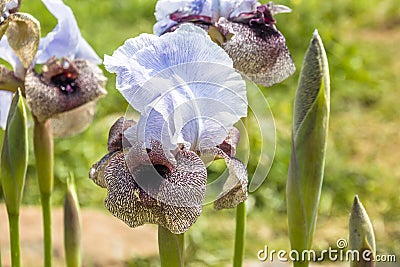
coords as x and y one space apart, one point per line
14 157
309 139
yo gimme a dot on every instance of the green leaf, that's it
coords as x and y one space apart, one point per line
14 157
23 35
309 138
72 227
361 233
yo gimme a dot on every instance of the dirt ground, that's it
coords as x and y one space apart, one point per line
106 241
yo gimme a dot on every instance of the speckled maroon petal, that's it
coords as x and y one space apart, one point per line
116 132
47 100
259 51
145 187
234 190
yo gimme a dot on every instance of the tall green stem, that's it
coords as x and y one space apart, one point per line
240 234
171 248
43 145
46 214
13 220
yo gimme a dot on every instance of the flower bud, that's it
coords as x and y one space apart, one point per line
72 227
14 156
361 235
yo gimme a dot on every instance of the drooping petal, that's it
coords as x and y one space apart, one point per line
5 103
47 98
65 40
259 51
234 190
149 192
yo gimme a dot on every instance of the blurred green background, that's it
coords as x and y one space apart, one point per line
361 39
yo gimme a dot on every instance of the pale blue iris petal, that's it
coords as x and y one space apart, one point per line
163 25
65 40
233 8
143 63
164 8
183 84
204 100
7 54
5 102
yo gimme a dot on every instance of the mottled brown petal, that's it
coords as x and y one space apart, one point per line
135 206
23 36
259 51
96 172
8 81
230 142
47 100
115 134
234 189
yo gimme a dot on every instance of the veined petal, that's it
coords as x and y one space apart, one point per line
5 102
233 8
193 97
65 40
144 57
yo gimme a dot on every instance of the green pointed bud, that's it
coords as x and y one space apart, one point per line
309 139
72 227
23 34
14 156
361 235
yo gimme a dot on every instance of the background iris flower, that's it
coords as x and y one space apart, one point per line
69 82
245 29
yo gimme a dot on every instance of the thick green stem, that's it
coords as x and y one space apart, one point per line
171 248
13 220
240 234
43 145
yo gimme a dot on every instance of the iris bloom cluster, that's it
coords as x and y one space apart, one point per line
69 77
189 96
245 29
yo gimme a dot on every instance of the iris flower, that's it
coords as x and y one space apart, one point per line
189 96
69 79
244 28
